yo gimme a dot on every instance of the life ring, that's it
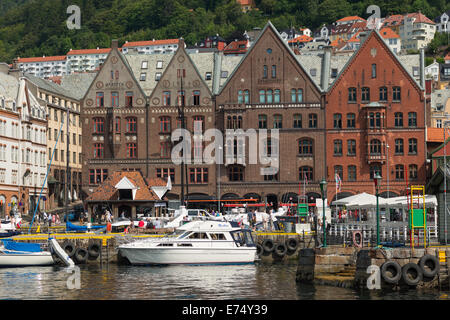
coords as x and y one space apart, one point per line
259 249
94 250
427 270
280 250
69 248
81 255
412 274
391 272
357 239
268 246
292 244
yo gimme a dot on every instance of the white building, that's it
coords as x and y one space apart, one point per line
443 22
392 39
151 47
23 146
416 31
44 67
432 71
85 59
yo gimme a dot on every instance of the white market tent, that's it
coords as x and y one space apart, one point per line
362 200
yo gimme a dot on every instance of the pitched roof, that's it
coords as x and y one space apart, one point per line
42 59
89 51
150 43
388 33
351 18
235 47
302 38
393 20
107 191
420 18
435 135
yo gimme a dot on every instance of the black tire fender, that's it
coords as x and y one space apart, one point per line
424 264
69 247
94 250
292 244
268 245
391 272
280 249
81 255
259 249
412 274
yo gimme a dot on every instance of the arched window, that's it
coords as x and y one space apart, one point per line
399 172
262 96
262 121
375 147
305 147
305 173
413 172
99 125
269 96
131 125
278 121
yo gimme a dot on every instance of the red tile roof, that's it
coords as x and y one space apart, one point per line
435 135
388 33
235 47
395 19
302 38
89 51
420 18
107 191
351 18
150 43
42 59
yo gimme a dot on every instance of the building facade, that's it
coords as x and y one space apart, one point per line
375 124
44 67
151 47
86 59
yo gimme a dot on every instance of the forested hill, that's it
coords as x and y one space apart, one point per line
38 27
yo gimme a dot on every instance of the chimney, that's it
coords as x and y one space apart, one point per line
181 42
326 63
422 68
114 44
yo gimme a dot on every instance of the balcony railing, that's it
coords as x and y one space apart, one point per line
376 158
232 106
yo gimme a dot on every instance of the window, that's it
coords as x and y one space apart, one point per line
262 121
131 150
159 64
208 76
116 125
374 120
129 99
412 146
413 172
297 121
99 125
383 94
181 73
224 74
374 71
277 121
196 97
396 94
296 95
114 99
131 125
399 172
412 119
305 173
274 71
334 72
164 124
312 117
365 94
198 123
158 76
339 170
143 76
98 150
375 169
305 147
337 147
276 97
269 96
313 72
236 173
375 147
144 65
351 173
234 122
165 149
100 97
166 98
351 94
351 120
398 119
398 146
337 121
164 173
351 147
262 96
198 175
265 70
181 98
97 175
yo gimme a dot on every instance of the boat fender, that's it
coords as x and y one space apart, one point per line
357 239
412 274
391 272
429 265
292 244
280 250
259 249
69 248
94 250
268 245
81 255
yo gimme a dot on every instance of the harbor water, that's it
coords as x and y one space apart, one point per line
258 281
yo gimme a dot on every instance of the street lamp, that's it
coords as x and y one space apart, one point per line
377 180
323 190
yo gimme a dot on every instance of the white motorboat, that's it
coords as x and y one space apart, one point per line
13 254
197 242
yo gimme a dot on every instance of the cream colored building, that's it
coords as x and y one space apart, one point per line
416 31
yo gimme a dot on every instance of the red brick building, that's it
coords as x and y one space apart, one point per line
375 122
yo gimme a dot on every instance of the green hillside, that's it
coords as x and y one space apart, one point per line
38 27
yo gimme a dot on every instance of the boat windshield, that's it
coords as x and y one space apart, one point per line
178 234
243 237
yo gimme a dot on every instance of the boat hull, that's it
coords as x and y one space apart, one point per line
26 259
195 256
